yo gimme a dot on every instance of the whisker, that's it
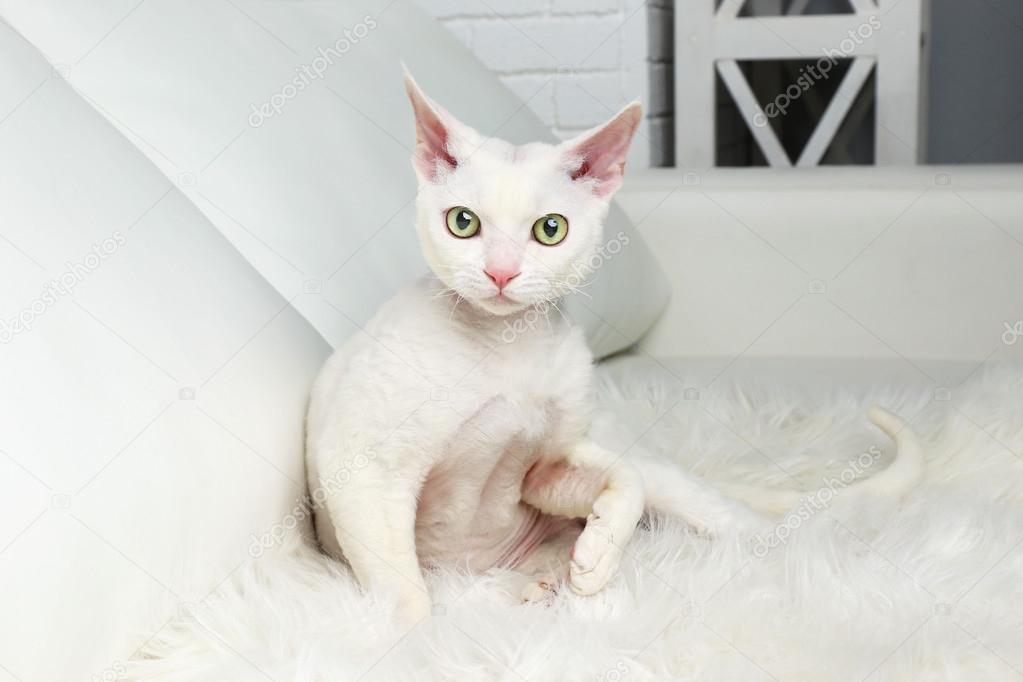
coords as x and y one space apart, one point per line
554 304
445 293
454 307
564 285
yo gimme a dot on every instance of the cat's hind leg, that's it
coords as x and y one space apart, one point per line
545 570
592 483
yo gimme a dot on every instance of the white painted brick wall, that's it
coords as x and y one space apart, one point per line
576 61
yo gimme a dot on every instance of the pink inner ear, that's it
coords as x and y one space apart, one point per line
432 135
603 152
582 171
432 142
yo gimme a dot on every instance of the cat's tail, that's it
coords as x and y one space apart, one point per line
667 490
901 476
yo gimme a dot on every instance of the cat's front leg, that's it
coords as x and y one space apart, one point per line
375 527
594 483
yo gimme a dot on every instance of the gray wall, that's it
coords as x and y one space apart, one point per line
976 85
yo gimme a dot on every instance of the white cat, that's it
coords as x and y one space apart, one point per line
434 438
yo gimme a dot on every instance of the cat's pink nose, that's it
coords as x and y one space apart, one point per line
501 277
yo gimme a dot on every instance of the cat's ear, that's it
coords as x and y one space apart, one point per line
598 156
436 134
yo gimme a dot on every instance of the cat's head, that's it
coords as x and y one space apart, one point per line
506 226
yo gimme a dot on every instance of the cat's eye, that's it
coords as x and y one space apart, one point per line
462 222
551 229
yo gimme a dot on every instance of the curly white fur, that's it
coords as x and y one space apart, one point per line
924 589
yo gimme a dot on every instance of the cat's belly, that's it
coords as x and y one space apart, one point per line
470 511
489 543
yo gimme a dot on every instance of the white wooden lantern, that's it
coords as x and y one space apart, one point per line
886 35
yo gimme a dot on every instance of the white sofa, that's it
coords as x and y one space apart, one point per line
912 268
154 388
151 430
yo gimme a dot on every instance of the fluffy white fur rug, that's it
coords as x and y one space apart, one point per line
848 588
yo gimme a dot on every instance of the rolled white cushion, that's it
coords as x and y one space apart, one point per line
151 422
287 124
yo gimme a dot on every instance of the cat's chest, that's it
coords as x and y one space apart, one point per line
549 376
510 406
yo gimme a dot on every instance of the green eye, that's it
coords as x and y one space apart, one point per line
462 222
551 229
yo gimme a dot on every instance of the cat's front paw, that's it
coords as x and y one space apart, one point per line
595 559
